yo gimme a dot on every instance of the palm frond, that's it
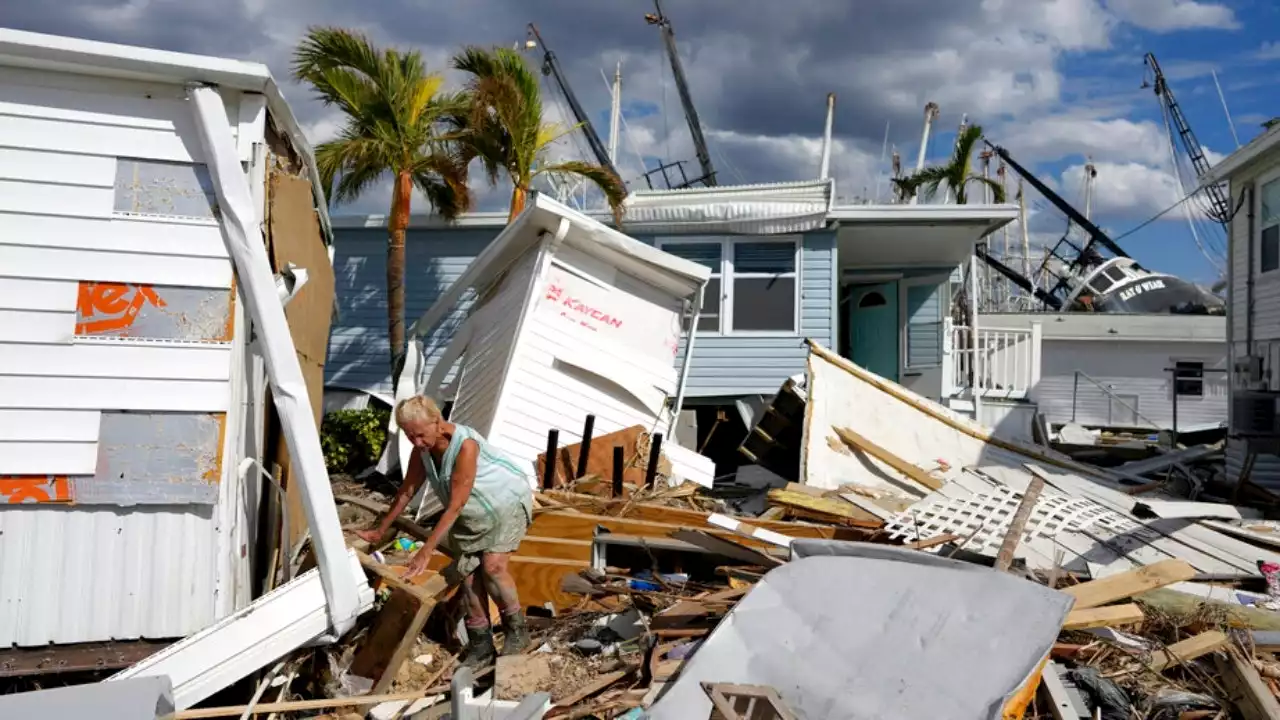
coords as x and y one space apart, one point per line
327 48
356 162
997 190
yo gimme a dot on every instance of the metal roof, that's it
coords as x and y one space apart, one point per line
1228 166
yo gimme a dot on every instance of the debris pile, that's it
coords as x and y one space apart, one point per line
874 550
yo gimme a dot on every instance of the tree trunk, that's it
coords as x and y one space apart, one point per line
397 225
518 197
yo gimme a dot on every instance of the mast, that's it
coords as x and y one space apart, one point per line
686 99
615 113
930 114
1090 173
825 166
551 66
1220 206
1026 232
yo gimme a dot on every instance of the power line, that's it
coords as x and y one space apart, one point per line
1156 217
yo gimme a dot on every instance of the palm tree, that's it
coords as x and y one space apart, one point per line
956 174
505 130
396 125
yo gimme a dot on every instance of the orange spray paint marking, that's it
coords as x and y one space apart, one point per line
18 489
109 307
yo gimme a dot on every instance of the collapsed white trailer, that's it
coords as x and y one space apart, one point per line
140 329
570 318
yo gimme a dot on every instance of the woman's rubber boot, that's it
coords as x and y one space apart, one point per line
481 651
516 639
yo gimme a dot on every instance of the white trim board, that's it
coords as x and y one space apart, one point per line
119 359
78 393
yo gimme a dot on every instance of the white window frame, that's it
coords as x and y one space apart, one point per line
1262 181
1205 365
727 277
944 287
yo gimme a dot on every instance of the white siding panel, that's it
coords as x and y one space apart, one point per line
34 326
50 167
48 295
1266 307
90 139
124 234
58 393
49 95
90 574
48 458
47 199
112 359
50 425
62 264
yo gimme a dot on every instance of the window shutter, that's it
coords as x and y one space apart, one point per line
924 326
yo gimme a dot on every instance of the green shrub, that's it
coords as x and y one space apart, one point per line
352 439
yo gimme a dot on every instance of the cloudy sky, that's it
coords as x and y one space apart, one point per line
1054 81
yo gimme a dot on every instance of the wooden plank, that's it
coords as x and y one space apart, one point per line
35 326
304 705
49 425
1128 584
75 393
1017 526
840 510
909 470
555 548
665 514
933 541
593 687
130 234
582 527
50 263
750 532
48 458
1187 650
538 580
118 359
1246 688
1106 616
46 295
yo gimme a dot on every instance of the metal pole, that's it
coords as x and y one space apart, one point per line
618 462
549 468
688 358
655 453
1173 441
1075 390
584 453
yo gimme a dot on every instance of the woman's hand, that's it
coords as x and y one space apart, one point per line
373 536
418 563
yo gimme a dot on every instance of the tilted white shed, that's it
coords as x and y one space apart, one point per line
570 318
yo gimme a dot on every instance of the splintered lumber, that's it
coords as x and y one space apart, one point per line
914 472
594 687
1127 584
578 526
1173 602
841 511
1187 650
934 541
1108 616
652 512
600 459
1004 559
395 631
402 523
1246 688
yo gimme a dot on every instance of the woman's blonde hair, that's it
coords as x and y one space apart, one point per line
418 408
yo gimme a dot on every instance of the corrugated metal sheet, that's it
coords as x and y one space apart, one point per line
766 209
73 575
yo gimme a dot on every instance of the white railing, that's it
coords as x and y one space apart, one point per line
1004 363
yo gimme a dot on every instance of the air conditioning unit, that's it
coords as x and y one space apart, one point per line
1254 414
1249 369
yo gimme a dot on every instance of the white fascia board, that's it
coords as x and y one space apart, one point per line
291 616
1264 143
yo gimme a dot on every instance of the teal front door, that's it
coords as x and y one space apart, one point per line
873 328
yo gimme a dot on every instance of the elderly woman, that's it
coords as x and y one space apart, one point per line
488 505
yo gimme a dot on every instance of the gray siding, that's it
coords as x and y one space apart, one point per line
359 354
735 365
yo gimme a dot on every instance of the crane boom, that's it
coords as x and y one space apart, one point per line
1220 206
686 99
551 66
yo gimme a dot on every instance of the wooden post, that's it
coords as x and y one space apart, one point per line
655 453
584 452
1019 523
619 460
549 470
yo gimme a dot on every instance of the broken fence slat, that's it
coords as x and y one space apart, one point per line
1187 650
911 471
1019 524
